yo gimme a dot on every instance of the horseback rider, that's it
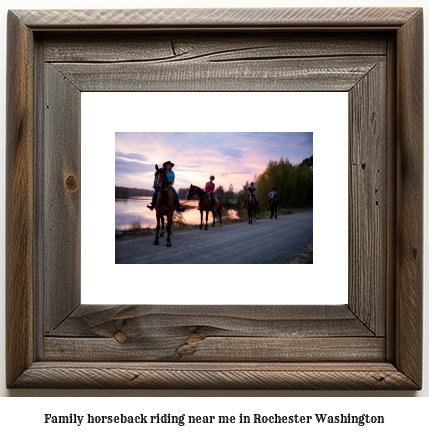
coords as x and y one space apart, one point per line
210 188
168 167
251 190
271 195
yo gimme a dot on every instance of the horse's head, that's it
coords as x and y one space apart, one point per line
191 192
160 178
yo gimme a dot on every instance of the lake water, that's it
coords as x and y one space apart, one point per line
132 209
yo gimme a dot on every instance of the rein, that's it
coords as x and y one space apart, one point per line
201 192
160 187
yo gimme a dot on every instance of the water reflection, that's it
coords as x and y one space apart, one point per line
132 209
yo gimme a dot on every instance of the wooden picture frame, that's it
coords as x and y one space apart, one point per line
373 342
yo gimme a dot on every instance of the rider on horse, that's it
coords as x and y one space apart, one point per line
251 190
168 167
271 195
210 189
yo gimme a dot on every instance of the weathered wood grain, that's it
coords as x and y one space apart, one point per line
195 348
368 202
391 191
324 74
215 376
61 187
288 18
19 200
409 252
39 201
169 47
136 322
254 335
139 321
213 333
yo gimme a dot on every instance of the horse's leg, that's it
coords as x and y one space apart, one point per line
214 219
157 230
220 217
169 221
207 220
162 228
201 223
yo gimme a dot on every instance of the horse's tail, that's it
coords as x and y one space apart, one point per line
219 208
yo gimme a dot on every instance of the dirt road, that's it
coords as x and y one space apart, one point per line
267 241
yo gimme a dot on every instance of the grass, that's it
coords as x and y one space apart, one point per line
179 222
136 226
136 223
303 257
262 214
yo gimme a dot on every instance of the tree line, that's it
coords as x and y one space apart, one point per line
293 183
124 192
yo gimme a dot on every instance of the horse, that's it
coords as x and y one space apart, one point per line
205 205
164 204
274 204
251 207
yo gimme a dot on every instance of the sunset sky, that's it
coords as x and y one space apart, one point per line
231 157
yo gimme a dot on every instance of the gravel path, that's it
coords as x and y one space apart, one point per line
267 241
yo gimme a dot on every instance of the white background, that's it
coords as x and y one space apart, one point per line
403 414
324 114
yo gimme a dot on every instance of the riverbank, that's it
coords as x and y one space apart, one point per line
180 224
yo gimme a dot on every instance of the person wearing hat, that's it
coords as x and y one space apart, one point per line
210 189
251 189
168 167
271 195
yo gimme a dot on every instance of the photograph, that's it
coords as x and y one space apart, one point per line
205 121
214 197
177 147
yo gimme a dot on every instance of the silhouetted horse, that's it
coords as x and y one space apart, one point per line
164 203
205 205
274 204
251 207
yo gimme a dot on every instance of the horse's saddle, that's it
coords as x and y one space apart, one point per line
215 197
